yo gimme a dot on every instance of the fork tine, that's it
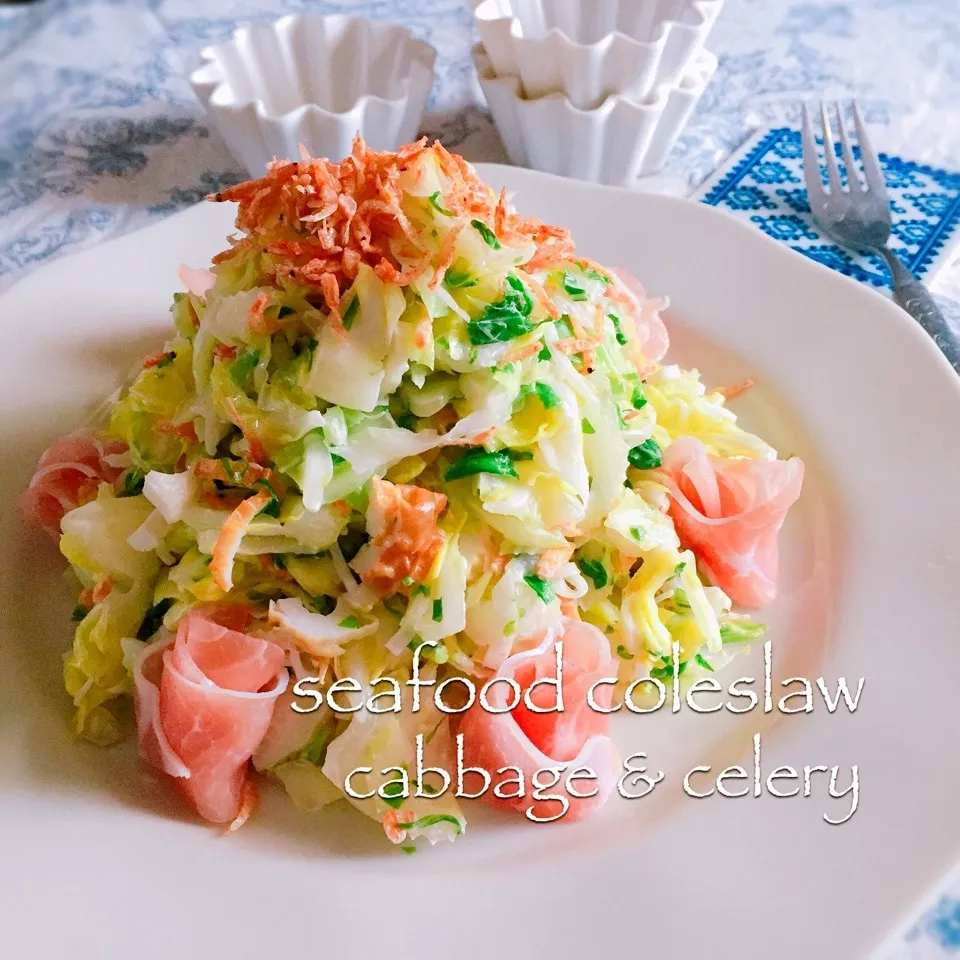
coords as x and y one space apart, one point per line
853 177
830 153
871 166
811 163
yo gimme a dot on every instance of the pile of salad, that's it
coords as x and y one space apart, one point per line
394 411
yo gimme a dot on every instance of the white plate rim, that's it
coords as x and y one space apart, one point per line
890 322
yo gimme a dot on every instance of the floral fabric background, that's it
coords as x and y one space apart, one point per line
101 134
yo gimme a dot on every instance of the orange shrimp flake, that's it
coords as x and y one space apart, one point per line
553 560
407 539
233 471
258 319
735 389
98 592
395 823
319 221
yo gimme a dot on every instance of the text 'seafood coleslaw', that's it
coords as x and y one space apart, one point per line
396 415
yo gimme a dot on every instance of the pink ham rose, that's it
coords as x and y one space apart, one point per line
204 702
67 475
654 340
197 280
729 513
576 737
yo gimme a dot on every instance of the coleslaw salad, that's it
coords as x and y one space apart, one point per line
394 411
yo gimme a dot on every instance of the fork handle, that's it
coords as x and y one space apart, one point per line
910 294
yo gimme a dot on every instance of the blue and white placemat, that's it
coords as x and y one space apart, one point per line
933 936
763 184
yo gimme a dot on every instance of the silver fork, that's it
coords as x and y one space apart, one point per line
859 217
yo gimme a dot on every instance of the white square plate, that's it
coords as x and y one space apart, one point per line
99 860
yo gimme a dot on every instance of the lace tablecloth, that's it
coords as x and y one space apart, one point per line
100 132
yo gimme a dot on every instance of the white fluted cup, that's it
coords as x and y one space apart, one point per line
314 80
593 49
614 143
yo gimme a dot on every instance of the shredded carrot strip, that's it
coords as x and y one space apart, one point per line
519 354
249 801
482 437
540 295
102 588
257 452
270 565
97 593
575 345
154 359
423 331
448 250
585 346
600 323
476 440
186 431
579 331
231 533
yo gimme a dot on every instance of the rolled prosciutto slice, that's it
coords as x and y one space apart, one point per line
729 513
67 475
204 702
575 737
654 339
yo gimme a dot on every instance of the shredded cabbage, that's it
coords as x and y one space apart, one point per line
454 435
